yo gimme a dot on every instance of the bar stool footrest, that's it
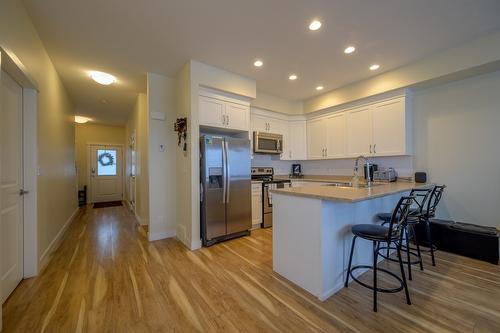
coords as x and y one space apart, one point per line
382 290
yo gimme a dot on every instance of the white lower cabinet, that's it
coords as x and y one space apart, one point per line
256 205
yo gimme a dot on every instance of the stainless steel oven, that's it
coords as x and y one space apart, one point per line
267 200
267 143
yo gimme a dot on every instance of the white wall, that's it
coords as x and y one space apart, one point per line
457 141
162 164
138 123
57 191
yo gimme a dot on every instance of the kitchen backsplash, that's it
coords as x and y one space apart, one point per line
341 167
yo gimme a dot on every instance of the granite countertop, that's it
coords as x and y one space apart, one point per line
349 194
316 178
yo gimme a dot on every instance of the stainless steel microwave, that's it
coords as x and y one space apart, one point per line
267 143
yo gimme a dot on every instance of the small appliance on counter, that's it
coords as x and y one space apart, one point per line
385 175
296 171
369 169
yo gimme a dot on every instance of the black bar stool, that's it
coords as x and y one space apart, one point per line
409 232
429 213
382 234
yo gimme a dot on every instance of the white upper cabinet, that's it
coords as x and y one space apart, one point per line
211 112
237 116
223 112
297 140
358 130
259 123
335 136
389 130
316 139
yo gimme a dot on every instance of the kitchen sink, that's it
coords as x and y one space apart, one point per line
350 184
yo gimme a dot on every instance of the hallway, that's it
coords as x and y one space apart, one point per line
106 277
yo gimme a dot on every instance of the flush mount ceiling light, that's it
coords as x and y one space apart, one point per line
319 88
102 78
292 77
258 63
81 120
374 67
314 25
349 49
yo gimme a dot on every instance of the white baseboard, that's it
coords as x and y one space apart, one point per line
161 235
47 254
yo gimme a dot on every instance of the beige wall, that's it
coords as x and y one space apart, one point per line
277 104
57 196
137 124
456 141
93 133
162 164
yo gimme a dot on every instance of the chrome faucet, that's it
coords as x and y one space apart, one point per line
356 169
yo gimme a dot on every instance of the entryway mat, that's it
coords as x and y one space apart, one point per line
107 204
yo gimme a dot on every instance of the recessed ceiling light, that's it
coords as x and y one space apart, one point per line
81 120
258 63
314 25
349 49
318 88
102 78
292 77
374 67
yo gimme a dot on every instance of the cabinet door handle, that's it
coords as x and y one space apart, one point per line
227 120
374 148
370 149
290 154
326 152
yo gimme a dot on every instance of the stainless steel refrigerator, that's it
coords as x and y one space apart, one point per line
226 202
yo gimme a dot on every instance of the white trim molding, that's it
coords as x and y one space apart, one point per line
161 235
47 254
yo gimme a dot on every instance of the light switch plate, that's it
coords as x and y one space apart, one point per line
158 115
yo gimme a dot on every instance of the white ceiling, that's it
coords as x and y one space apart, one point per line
128 38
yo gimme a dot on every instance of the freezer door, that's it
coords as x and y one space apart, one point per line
239 189
213 178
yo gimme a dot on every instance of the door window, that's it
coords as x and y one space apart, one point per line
106 162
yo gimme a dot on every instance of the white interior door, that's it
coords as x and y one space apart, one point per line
133 165
11 116
106 173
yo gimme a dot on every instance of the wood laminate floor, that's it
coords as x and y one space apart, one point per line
106 277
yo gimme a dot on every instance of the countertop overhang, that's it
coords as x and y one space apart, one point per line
350 194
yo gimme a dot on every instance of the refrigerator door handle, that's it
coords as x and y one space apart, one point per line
224 173
228 172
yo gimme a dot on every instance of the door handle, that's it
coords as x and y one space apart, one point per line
374 149
224 172
370 149
23 192
228 169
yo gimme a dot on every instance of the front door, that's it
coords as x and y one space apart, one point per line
106 173
11 172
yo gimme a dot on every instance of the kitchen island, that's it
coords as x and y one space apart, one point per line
312 231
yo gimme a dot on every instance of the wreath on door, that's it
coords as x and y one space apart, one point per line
106 159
